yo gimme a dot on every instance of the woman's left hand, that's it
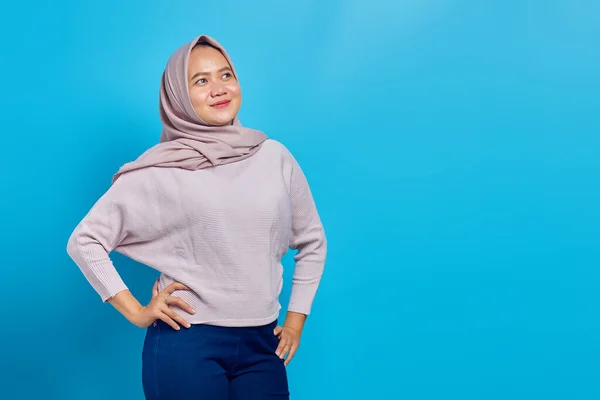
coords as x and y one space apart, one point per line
289 341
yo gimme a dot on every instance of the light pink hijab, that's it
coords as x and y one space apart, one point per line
188 142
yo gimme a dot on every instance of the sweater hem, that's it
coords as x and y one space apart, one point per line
237 322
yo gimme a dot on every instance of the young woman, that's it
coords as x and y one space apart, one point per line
213 207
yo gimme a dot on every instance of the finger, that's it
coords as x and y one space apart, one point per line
175 286
291 354
277 330
155 289
286 349
176 317
279 351
176 301
164 317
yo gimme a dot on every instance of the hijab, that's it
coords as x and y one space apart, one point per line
186 140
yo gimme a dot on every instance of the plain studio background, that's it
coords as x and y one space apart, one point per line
453 148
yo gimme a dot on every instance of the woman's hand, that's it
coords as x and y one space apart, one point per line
158 308
289 341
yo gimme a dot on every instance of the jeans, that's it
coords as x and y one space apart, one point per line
207 362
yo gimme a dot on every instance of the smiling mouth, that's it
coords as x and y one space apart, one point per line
221 104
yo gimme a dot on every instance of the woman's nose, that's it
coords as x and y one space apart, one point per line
217 90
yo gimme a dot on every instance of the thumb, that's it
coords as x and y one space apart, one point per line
155 289
277 330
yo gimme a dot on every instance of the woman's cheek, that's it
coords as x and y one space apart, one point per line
198 99
234 89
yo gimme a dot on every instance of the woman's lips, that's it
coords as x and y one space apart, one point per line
221 104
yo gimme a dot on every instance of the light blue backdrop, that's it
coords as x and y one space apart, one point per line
452 147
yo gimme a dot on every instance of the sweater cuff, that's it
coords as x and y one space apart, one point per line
112 288
302 298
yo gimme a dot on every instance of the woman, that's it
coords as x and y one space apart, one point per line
214 207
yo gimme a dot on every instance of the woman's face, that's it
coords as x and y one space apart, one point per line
214 91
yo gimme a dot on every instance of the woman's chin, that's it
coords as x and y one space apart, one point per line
221 122
219 118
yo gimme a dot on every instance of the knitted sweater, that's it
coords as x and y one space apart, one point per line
221 231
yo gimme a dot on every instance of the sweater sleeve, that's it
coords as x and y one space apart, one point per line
308 237
114 220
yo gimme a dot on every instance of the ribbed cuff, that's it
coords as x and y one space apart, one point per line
302 298
114 288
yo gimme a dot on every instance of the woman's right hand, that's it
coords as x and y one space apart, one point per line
158 308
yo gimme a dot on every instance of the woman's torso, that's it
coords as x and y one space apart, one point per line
228 228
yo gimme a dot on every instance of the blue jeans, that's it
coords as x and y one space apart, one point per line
207 362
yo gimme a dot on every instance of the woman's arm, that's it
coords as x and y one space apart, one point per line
116 219
125 303
308 237
112 221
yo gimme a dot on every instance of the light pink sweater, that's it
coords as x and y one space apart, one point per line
221 231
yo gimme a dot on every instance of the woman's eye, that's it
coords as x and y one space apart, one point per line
226 75
201 81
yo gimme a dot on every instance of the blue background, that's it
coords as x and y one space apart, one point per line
452 147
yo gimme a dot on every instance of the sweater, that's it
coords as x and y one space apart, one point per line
222 231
